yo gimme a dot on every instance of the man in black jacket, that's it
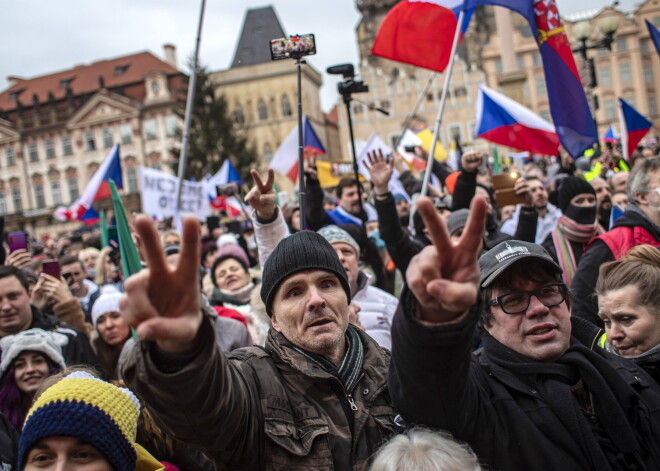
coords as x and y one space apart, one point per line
537 396
17 315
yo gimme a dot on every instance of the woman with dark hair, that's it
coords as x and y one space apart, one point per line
28 358
111 332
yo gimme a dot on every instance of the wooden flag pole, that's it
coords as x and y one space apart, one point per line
443 100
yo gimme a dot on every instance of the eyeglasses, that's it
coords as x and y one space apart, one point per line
517 302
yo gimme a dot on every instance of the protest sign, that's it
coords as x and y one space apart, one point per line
159 191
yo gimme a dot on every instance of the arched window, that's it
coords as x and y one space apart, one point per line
239 116
268 152
262 110
286 106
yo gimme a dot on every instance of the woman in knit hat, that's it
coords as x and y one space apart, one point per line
28 358
112 332
81 422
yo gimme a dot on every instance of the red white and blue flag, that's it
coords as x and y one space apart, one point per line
568 103
285 160
655 35
508 123
420 32
611 135
97 189
634 127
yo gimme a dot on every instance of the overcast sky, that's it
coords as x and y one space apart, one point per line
44 36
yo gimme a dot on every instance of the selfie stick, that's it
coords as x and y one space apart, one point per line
183 156
443 100
301 156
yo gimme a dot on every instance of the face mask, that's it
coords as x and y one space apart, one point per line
581 214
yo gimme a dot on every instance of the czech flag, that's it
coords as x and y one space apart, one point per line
611 135
98 188
568 103
285 160
655 35
634 127
420 32
506 122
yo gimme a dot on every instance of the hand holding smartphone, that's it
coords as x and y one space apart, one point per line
52 268
17 240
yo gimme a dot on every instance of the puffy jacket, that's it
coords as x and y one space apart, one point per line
265 409
377 309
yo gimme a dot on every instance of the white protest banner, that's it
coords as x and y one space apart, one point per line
159 191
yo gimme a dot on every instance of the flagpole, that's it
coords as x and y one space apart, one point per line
443 100
183 156
301 149
624 133
415 109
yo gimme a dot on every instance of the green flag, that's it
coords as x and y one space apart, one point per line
130 260
103 223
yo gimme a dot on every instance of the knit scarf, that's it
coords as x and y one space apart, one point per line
350 368
239 296
620 436
565 232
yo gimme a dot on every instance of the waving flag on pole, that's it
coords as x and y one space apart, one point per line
226 174
420 32
568 103
634 127
655 35
98 188
506 122
285 160
611 135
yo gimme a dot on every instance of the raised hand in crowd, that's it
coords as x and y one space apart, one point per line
444 276
162 302
471 160
49 290
521 188
381 170
19 258
262 196
309 166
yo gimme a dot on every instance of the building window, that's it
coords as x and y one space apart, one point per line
429 97
644 46
171 125
460 92
11 157
385 104
625 74
454 133
536 59
73 188
621 44
16 199
605 75
540 86
90 143
357 109
653 106
268 152
520 61
108 140
239 116
50 149
67 148
545 114
126 133
498 66
610 110
150 130
56 192
39 196
262 110
3 203
630 99
131 176
648 73
33 152
286 106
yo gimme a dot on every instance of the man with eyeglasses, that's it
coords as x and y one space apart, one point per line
640 224
540 394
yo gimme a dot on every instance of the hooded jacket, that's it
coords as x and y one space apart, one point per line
585 303
265 409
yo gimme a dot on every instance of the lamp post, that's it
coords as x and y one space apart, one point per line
607 26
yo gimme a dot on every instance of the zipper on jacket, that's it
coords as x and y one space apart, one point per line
351 402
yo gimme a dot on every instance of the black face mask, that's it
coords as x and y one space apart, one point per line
581 214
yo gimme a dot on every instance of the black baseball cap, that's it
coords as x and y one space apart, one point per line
493 263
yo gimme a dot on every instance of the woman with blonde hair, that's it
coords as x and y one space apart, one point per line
629 304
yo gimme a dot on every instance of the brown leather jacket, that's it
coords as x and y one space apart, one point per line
266 409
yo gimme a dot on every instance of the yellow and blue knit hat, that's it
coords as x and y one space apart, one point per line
85 407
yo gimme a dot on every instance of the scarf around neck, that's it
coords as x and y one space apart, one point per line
565 232
241 295
624 421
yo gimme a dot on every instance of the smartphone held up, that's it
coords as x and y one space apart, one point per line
293 47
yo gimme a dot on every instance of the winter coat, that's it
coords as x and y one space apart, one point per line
377 309
265 409
517 413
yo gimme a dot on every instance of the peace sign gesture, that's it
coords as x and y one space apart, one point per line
262 196
444 277
162 302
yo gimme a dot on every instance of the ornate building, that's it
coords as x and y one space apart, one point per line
56 129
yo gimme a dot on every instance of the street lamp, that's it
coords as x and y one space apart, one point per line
607 26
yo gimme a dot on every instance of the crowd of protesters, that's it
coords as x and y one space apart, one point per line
450 332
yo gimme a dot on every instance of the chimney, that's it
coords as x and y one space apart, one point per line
169 51
13 80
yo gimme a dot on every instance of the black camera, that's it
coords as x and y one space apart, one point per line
349 85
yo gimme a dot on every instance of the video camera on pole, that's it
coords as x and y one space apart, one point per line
349 85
